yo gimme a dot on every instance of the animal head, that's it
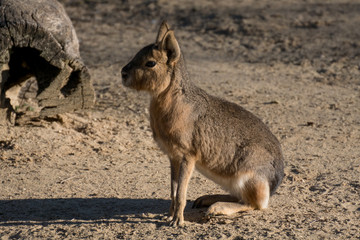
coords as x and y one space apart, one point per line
152 67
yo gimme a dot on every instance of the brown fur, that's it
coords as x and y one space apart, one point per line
196 130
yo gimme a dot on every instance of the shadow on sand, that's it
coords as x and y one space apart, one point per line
75 210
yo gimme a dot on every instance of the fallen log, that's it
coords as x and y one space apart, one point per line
37 39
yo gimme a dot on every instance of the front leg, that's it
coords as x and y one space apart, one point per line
175 169
186 168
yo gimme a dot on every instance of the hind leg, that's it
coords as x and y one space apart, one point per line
208 200
254 193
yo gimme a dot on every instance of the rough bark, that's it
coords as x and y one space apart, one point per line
37 39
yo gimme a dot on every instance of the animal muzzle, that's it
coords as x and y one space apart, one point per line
125 75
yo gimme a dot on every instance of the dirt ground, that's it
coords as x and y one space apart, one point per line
98 174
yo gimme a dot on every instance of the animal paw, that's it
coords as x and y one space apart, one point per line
219 208
177 222
227 208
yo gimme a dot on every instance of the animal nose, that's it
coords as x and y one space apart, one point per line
124 71
124 74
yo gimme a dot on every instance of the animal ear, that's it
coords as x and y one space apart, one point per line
170 45
164 28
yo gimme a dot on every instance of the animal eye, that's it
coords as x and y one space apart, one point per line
150 64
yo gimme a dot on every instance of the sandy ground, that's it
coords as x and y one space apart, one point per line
98 174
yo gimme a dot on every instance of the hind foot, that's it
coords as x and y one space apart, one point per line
227 208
